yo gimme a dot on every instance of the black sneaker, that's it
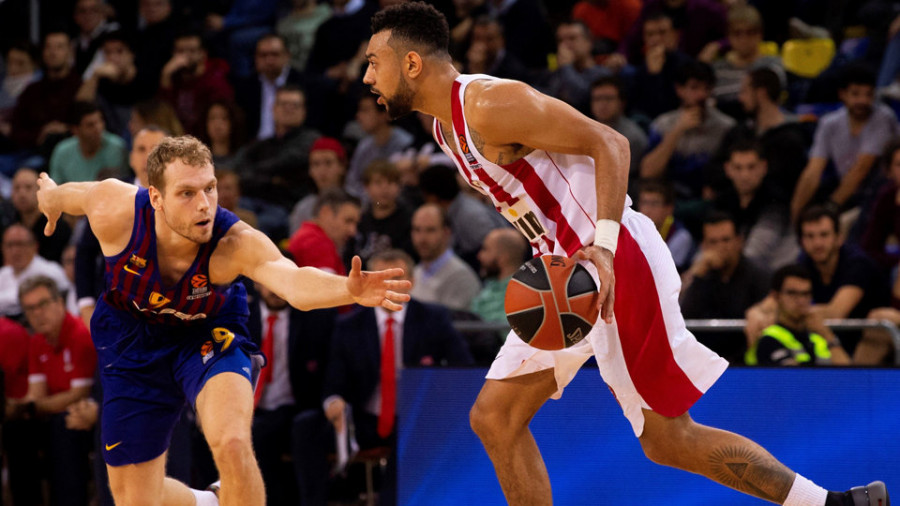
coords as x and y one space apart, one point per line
873 494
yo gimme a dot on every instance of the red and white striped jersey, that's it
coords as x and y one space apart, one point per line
549 197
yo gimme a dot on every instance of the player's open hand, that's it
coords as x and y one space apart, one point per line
377 288
602 259
45 186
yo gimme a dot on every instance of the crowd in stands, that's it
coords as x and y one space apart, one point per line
765 147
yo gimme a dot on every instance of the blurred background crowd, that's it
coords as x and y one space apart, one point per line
764 141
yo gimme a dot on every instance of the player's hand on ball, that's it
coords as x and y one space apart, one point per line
377 288
602 259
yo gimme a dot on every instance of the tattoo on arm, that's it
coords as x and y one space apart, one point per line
750 471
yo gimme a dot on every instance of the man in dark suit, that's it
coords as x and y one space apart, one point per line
363 377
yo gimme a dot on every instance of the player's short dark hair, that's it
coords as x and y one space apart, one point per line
816 212
789 271
78 110
440 182
745 145
415 23
392 255
659 187
334 199
186 148
34 282
696 70
767 79
610 80
856 73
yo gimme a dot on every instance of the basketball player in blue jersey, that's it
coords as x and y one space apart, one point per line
170 327
561 178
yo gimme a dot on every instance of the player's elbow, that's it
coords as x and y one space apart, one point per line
618 150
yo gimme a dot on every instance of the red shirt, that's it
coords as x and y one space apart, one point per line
311 247
68 365
14 358
611 22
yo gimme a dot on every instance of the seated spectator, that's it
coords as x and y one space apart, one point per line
298 29
61 365
154 40
327 169
608 107
656 200
41 111
91 20
722 283
114 83
14 341
319 242
238 28
696 23
275 170
228 186
370 349
849 140
21 262
609 21
68 265
682 141
470 219
21 70
223 132
884 217
571 82
526 30
25 202
386 223
799 336
382 140
441 277
877 345
91 148
157 113
745 34
760 211
191 80
488 52
502 253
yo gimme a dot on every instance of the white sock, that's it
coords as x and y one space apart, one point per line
205 498
805 493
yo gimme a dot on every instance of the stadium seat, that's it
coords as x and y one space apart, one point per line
768 48
807 57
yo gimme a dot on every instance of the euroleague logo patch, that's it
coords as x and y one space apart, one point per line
200 288
206 351
198 281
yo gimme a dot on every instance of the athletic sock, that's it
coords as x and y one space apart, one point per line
806 493
205 498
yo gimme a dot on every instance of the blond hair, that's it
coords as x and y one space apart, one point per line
185 148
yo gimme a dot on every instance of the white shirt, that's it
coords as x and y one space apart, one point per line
278 392
9 282
267 103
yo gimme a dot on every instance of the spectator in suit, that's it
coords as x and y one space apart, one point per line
319 242
91 19
24 201
441 277
22 262
91 148
370 348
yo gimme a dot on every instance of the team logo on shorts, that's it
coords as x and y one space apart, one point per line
157 300
207 351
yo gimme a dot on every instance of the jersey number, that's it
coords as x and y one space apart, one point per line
223 335
529 226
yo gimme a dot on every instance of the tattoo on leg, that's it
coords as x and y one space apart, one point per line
746 470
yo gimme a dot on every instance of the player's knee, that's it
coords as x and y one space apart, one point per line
489 423
231 447
133 496
663 443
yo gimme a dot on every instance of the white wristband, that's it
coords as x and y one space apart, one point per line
606 235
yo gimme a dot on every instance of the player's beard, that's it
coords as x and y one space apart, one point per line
401 103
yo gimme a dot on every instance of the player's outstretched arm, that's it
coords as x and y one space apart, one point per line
252 254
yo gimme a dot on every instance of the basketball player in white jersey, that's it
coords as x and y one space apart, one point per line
560 178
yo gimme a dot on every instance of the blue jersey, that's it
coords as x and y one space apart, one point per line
133 282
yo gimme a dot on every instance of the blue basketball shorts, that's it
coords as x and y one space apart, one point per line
150 372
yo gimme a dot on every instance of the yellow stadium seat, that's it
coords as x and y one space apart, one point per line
768 48
807 57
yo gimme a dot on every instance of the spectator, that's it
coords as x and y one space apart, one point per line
319 242
381 141
224 131
157 113
386 223
500 256
228 186
239 28
488 52
656 200
609 20
851 139
682 141
525 30
22 262
68 265
21 70
90 149
191 81
275 170
327 169
298 29
154 42
441 277
38 119
470 220
365 342
884 217
256 94
114 84
722 283
571 82
340 38
696 23
798 337
13 361
608 107
760 211
25 202
90 18
61 365
877 345
745 34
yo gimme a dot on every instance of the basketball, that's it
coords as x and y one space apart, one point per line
551 302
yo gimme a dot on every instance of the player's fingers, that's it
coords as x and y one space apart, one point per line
393 296
398 284
50 227
387 273
355 265
609 303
